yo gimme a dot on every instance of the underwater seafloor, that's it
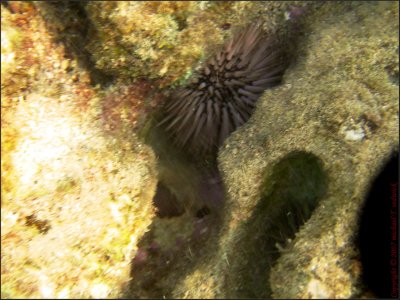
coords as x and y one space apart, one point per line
309 182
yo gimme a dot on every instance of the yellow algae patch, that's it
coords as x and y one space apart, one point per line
61 173
79 204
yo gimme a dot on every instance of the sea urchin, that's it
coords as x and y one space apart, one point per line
223 95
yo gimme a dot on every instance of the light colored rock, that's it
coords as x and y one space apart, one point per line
75 200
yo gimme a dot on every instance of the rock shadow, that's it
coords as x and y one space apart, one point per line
289 195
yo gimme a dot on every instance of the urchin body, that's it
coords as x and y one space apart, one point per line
223 94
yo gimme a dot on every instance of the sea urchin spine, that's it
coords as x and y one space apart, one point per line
223 95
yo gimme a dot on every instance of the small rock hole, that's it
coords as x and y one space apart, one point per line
202 212
166 203
290 193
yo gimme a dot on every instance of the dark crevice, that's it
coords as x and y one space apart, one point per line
157 268
202 212
394 78
182 23
166 203
71 26
378 236
289 197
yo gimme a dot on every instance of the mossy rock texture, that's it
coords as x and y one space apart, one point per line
338 106
75 197
80 83
166 41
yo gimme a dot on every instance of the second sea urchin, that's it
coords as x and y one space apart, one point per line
223 95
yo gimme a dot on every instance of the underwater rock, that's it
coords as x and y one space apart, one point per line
340 83
78 184
75 198
164 41
144 39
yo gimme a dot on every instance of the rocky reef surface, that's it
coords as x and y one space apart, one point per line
81 83
76 196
